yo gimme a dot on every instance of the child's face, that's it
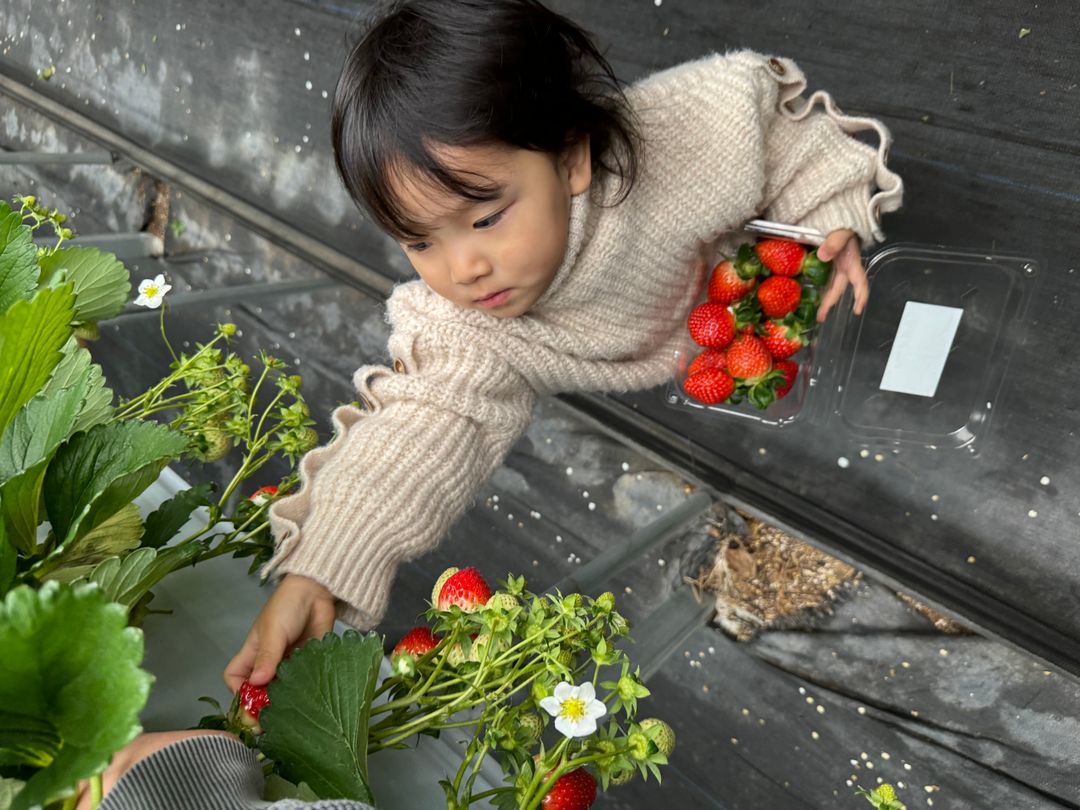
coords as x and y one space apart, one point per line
498 256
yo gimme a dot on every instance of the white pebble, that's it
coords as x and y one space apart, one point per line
592 506
864 453
625 467
569 470
1044 480
843 462
584 493
1032 513
661 562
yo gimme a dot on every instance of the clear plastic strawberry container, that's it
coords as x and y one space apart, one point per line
921 366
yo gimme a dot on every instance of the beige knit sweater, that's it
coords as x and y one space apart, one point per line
727 138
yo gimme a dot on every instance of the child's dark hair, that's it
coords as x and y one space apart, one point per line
468 73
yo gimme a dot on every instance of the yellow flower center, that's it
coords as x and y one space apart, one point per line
151 291
572 709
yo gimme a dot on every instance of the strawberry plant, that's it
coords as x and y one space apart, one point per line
73 459
540 680
769 292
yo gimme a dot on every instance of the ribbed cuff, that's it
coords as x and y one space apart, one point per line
207 772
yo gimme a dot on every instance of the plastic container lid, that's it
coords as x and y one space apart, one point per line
922 365
925 361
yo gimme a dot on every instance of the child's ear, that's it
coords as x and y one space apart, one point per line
577 165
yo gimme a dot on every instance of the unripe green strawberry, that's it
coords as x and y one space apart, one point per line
622 777
530 727
217 445
565 657
482 647
886 793
445 575
502 601
664 735
456 656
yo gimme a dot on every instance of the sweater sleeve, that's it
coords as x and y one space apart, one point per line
734 134
207 772
402 468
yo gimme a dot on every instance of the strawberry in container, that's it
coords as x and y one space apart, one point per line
761 311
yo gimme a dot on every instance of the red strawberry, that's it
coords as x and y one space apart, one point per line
781 256
778 296
417 642
466 589
748 360
790 370
782 340
574 790
248 705
262 495
725 286
712 325
709 387
710 358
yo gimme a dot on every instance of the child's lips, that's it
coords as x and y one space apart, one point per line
494 300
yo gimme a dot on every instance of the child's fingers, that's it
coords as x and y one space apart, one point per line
861 286
837 285
239 668
269 654
833 244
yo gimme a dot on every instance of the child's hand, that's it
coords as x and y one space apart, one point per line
842 248
299 609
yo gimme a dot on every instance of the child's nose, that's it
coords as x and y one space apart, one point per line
467 266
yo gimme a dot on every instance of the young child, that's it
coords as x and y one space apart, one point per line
559 227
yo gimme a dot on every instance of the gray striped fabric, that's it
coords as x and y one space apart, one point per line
210 772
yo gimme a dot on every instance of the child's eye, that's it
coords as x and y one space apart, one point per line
487 222
418 247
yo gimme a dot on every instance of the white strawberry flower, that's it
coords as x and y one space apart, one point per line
152 291
575 709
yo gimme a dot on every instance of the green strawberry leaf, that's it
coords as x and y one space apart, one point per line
97 472
101 282
316 725
27 740
20 507
114 536
64 647
277 789
170 517
77 365
9 556
31 336
40 427
18 268
127 580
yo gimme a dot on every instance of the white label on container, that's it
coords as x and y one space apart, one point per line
920 348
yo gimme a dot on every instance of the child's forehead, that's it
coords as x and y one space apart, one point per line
424 199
